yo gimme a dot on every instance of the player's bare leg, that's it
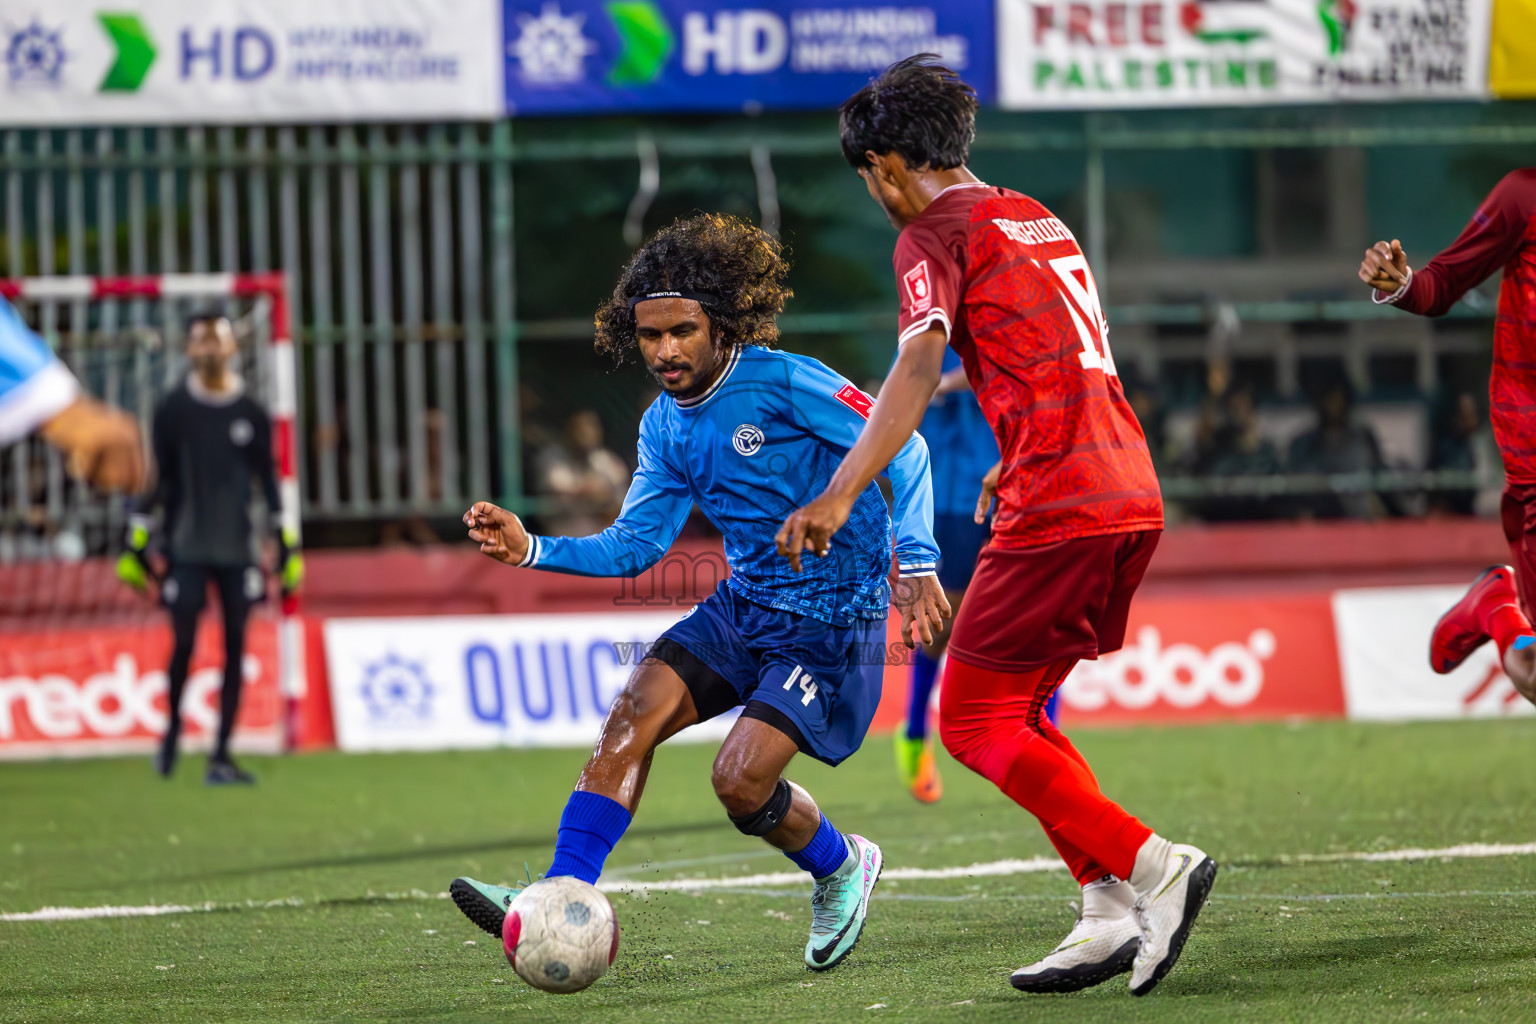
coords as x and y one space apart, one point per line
654 705
748 779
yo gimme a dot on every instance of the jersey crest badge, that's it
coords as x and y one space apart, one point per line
241 432
747 439
856 400
919 288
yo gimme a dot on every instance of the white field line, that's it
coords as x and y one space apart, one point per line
778 878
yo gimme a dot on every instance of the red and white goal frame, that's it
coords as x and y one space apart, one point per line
282 403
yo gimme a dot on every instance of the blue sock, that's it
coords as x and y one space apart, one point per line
589 828
925 672
824 854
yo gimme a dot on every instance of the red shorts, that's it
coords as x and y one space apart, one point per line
1518 512
1028 607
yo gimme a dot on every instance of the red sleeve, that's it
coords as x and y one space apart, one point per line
930 282
1489 241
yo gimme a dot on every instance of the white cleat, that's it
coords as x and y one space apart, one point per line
1167 913
1094 951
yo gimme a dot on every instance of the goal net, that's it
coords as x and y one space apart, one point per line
82 655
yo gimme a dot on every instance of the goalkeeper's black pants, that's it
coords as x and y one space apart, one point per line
184 594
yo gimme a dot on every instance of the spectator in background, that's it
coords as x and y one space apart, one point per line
587 481
1464 443
1228 443
1338 445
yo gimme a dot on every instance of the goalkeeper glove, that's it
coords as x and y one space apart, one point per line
133 566
290 562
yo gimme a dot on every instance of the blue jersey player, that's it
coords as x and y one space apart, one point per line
746 433
37 392
964 450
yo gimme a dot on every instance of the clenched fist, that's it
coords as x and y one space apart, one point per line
499 533
1385 267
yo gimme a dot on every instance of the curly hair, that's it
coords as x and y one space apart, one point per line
709 253
917 108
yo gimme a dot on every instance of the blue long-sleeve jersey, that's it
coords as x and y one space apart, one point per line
34 384
762 441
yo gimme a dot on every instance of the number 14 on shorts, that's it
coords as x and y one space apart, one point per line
807 684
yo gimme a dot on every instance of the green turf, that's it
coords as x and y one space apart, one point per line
326 876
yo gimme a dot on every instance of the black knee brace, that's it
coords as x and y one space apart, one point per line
767 817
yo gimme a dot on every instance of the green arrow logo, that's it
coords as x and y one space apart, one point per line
647 42
135 52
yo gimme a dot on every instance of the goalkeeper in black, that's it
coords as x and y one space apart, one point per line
212 443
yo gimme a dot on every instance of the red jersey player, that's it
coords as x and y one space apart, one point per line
993 274
1502 234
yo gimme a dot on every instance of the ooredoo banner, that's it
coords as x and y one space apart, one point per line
1205 659
1123 53
233 61
586 56
1384 652
103 691
486 680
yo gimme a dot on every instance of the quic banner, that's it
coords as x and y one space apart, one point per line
103 691
1164 53
486 680
241 61
575 56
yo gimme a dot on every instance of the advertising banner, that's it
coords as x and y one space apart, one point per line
589 56
486 680
1161 53
79 693
1383 651
233 61
1205 659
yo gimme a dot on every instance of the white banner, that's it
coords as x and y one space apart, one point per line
1384 656
1114 53
232 61
486 680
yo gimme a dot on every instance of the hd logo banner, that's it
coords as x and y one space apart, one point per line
1156 53
83 62
590 56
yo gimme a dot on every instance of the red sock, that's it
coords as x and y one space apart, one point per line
992 723
1506 623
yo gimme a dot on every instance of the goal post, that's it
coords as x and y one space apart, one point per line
104 329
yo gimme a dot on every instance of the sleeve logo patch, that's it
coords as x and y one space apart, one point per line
856 400
919 289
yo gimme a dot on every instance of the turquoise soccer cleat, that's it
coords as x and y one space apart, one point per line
484 903
840 905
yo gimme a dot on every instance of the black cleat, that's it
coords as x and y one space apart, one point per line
227 773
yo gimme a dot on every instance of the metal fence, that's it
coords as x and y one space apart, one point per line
399 245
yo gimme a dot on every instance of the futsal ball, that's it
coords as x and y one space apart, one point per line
560 934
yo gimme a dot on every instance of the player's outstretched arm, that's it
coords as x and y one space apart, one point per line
896 414
499 533
1489 241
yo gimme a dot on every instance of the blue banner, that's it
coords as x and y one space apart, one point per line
596 56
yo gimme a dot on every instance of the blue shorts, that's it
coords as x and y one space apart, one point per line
960 541
817 683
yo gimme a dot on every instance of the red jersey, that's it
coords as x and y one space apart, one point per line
1501 234
1013 292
